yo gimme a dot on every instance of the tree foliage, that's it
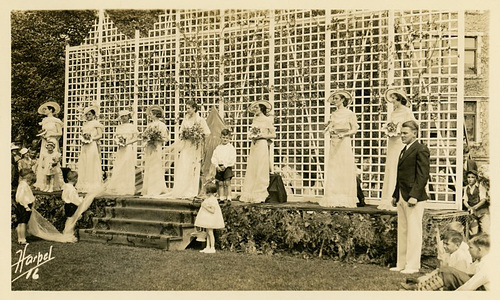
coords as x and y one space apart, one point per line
38 46
38 61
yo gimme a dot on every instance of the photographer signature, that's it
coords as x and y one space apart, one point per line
27 261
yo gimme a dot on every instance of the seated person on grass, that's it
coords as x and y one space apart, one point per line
478 279
459 256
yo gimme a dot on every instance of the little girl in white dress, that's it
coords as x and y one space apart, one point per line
210 217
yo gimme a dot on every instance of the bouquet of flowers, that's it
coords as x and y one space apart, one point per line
86 138
121 141
194 134
391 129
255 133
152 135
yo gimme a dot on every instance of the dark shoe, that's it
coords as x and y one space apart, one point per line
409 287
361 203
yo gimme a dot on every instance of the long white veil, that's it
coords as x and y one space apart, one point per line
40 227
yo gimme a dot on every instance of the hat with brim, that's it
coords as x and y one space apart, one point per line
23 151
151 108
122 113
13 146
89 108
43 109
402 93
346 94
266 103
50 143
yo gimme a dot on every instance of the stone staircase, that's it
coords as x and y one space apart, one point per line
144 222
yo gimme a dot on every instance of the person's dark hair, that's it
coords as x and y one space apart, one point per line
193 104
400 98
481 240
454 237
210 188
25 172
157 113
225 132
92 111
473 173
51 108
72 176
345 100
263 108
411 124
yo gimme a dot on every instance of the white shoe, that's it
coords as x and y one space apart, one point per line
409 271
211 250
204 250
395 269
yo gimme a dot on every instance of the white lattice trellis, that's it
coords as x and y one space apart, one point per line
293 58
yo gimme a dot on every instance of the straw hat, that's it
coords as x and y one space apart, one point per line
91 107
124 112
43 109
13 146
344 93
50 142
266 103
150 109
23 151
402 93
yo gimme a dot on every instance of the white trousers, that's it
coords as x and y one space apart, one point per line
409 234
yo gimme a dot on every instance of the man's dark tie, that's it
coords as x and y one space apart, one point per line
402 152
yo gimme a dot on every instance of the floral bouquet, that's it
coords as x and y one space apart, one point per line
255 133
121 141
194 134
86 138
391 129
152 135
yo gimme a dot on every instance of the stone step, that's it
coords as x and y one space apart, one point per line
140 226
151 214
171 204
133 239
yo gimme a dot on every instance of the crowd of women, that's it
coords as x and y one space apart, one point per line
341 172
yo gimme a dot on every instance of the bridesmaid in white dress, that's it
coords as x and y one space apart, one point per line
89 161
187 167
399 115
51 129
154 173
262 131
122 182
340 187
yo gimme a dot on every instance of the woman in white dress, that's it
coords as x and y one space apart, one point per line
122 182
154 136
89 161
340 187
51 129
262 131
399 115
187 167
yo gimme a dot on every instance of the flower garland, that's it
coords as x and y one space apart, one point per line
194 134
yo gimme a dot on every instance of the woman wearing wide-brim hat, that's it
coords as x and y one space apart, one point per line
122 181
400 114
341 185
153 138
261 133
51 129
89 161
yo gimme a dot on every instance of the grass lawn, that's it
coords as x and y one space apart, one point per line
98 267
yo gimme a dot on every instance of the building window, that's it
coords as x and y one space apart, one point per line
470 120
471 58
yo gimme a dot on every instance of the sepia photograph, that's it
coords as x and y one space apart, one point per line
237 148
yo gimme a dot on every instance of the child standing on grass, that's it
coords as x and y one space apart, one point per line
71 200
224 158
51 168
24 202
474 197
210 217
